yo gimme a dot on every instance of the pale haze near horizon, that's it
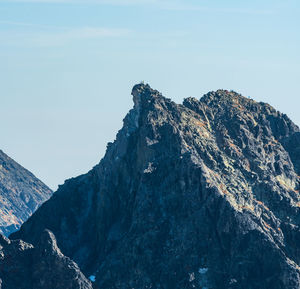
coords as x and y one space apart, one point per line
67 68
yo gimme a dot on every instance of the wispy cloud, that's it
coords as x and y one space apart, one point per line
84 33
56 36
25 24
247 11
108 2
172 5
15 23
185 6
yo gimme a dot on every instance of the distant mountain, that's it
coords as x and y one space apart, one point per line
21 193
203 194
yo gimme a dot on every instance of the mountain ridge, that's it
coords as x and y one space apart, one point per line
20 194
203 194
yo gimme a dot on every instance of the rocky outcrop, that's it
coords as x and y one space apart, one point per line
24 266
199 195
21 193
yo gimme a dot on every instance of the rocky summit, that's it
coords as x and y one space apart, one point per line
203 194
21 193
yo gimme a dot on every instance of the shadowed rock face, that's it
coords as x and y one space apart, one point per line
24 266
199 195
21 193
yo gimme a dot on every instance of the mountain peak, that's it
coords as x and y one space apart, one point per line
226 97
199 195
143 92
48 242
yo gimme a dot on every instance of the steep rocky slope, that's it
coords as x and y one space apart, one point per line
199 195
24 266
21 193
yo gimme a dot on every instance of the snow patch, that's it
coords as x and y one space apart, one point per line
203 270
192 277
92 278
149 169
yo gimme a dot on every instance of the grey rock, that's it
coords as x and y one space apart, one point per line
54 270
24 266
21 193
3 240
199 195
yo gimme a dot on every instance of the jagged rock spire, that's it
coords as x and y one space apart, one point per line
199 195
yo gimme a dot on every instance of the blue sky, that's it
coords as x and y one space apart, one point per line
67 67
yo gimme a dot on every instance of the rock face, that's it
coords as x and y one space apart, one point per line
199 195
24 266
21 193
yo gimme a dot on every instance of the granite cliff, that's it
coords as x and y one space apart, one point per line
203 194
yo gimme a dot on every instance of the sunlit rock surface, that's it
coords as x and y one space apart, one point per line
21 193
203 194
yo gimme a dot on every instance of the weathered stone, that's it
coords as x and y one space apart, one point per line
4 241
199 195
24 266
21 193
